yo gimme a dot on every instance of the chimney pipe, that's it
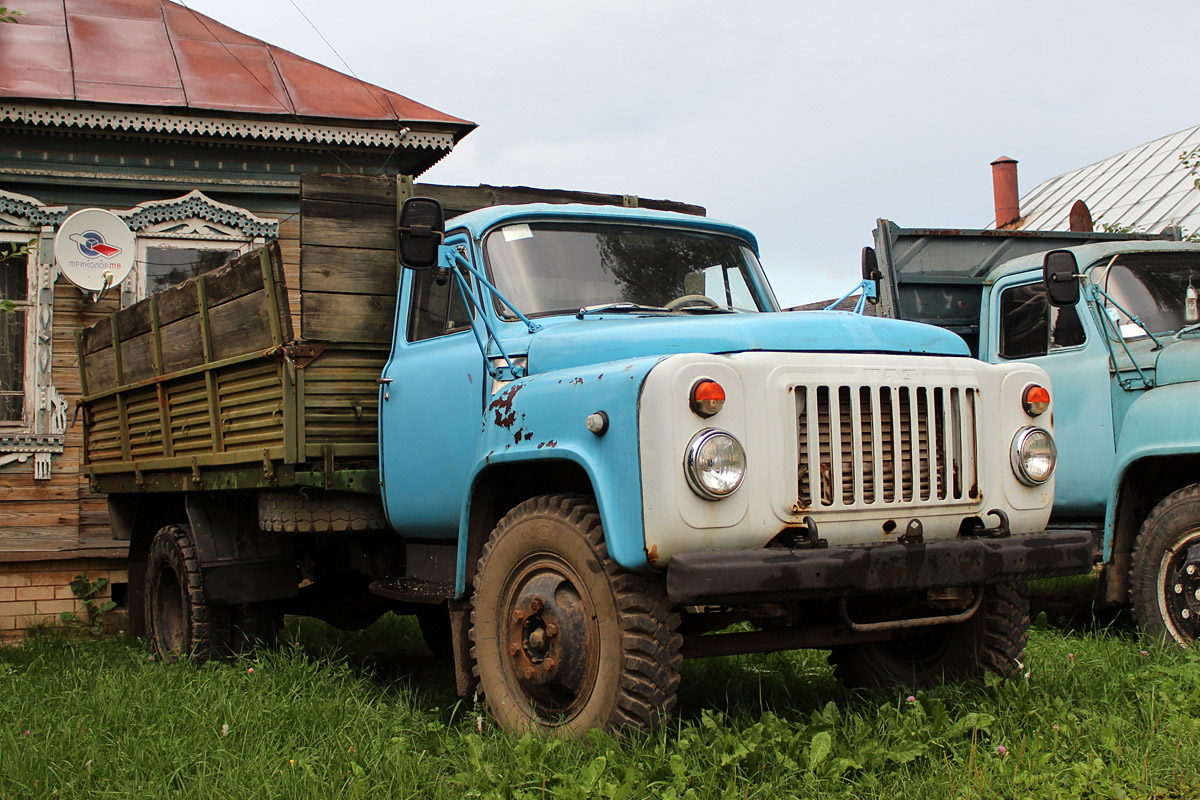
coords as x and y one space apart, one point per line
1004 189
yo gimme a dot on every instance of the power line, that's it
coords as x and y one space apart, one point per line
201 19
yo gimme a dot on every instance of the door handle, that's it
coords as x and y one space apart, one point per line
385 382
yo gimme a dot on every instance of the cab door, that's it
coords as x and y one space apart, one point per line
430 405
1065 343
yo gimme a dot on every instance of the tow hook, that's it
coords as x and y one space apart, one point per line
1002 529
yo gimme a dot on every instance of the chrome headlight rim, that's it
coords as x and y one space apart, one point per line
1019 455
691 467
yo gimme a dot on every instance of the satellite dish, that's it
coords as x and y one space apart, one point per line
95 249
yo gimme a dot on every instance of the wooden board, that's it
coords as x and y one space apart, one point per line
346 318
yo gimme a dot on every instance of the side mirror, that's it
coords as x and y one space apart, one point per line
1059 269
419 234
870 270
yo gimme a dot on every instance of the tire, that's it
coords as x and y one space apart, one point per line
180 620
993 640
563 639
319 512
1165 601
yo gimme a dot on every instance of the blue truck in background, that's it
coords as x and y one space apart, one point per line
1113 319
579 443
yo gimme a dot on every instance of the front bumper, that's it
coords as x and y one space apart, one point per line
731 577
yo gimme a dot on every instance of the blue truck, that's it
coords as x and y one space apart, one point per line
1112 318
579 443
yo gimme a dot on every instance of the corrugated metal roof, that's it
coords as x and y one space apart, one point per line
157 53
1146 187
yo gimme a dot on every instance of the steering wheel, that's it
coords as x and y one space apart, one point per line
690 300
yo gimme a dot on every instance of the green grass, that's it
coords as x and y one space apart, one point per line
1101 714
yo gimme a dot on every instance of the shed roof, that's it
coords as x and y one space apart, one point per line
1147 188
157 53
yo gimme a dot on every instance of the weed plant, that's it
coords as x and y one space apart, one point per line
1095 714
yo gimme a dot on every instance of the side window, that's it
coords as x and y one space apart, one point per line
1030 326
436 308
14 326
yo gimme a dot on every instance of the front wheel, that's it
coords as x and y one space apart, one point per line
564 639
992 640
1164 584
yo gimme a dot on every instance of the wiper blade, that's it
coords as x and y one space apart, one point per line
620 308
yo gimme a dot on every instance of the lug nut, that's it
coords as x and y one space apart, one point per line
513 650
551 629
536 605
518 615
528 673
549 663
1179 588
1186 614
1191 569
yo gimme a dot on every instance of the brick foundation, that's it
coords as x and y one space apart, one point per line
35 594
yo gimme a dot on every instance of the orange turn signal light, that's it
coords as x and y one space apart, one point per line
1035 400
708 397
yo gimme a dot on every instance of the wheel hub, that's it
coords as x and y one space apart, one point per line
549 640
1182 589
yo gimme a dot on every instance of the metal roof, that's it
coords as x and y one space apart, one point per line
1147 188
155 53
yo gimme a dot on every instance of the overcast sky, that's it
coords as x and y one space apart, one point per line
801 121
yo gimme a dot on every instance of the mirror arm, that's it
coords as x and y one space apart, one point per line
867 287
458 262
1094 293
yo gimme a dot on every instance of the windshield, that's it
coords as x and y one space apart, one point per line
546 268
1159 289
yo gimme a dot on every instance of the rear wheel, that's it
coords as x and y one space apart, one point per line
180 620
993 640
564 639
1165 576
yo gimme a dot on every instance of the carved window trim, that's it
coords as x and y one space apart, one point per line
44 427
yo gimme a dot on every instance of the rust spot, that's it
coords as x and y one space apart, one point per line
577 381
600 377
517 436
652 554
503 406
529 436
799 507
889 526
552 443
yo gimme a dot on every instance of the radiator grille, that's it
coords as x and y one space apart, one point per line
871 445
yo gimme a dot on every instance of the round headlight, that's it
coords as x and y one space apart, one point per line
1033 455
714 463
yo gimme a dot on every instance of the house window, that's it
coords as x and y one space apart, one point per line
168 262
16 266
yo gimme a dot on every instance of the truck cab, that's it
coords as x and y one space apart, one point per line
1118 342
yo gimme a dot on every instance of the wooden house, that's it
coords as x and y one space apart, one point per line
197 136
